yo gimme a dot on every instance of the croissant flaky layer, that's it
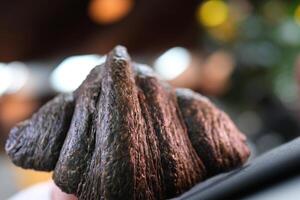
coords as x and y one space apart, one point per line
126 134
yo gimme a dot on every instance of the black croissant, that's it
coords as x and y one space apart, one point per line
126 134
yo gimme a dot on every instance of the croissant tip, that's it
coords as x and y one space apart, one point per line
12 141
120 51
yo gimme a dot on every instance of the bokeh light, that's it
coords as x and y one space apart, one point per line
109 11
173 62
72 71
13 77
212 13
226 32
5 78
297 15
289 33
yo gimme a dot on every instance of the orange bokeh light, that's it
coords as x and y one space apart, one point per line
109 11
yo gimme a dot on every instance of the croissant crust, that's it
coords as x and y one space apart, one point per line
126 134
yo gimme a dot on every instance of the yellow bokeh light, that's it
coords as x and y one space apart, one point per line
212 13
297 15
109 11
226 32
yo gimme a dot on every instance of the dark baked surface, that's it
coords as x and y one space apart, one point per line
126 134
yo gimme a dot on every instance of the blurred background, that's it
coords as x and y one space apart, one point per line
244 55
